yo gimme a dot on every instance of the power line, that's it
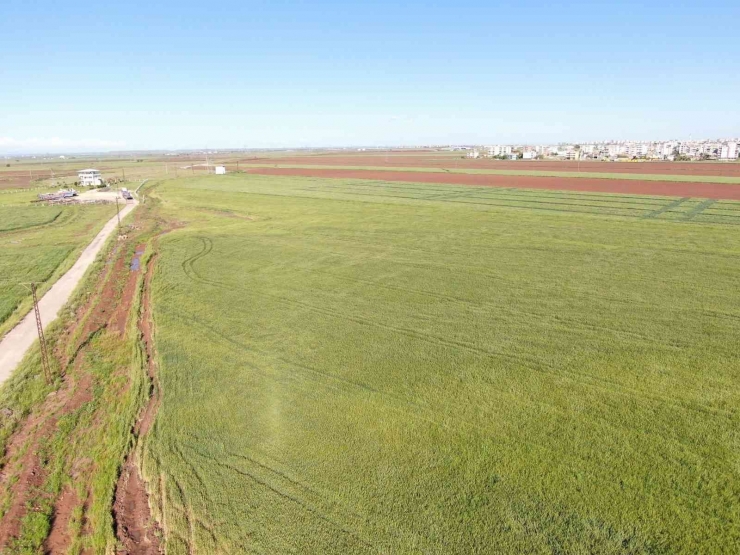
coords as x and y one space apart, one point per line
42 340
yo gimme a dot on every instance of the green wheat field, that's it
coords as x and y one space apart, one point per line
354 366
39 243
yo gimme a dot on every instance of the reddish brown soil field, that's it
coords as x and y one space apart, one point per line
23 178
449 162
664 188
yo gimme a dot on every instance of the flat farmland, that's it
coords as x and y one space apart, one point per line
661 186
449 160
39 243
363 366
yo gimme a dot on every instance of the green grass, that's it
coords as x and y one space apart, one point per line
363 367
39 243
88 445
531 173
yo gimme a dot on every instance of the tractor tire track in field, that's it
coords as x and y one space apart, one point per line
446 420
670 206
553 183
699 208
134 526
467 302
51 221
528 362
524 200
305 506
449 418
511 195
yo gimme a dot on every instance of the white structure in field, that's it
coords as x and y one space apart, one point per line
220 170
89 177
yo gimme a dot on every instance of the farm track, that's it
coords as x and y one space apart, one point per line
662 188
16 343
135 527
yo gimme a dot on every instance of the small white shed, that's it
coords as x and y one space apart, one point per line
220 170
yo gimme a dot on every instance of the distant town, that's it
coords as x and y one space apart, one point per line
724 149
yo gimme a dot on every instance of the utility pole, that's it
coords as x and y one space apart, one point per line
237 165
42 340
124 173
118 215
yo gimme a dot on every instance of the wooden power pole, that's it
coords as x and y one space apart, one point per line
42 340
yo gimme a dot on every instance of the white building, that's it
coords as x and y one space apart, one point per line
220 170
636 149
89 177
729 151
499 150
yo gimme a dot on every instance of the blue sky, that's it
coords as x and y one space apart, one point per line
151 75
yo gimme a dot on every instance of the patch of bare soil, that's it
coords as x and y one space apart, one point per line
126 297
23 452
58 541
135 528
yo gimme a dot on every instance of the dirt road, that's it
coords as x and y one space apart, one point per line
14 345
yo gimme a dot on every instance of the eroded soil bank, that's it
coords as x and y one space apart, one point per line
69 480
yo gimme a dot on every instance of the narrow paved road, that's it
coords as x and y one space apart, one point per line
14 345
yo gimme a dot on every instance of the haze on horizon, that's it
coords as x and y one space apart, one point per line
148 76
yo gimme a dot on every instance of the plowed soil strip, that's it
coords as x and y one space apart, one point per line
662 188
430 160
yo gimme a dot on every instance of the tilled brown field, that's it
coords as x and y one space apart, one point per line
663 188
442 161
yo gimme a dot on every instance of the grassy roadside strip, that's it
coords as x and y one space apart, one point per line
530 173
26 388
26 304
83 455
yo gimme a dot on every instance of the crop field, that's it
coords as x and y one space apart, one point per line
39 243
601 184
524 170
458 160
360 366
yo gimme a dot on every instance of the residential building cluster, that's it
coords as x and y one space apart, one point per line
725 149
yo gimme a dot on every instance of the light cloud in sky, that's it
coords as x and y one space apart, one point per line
56 144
